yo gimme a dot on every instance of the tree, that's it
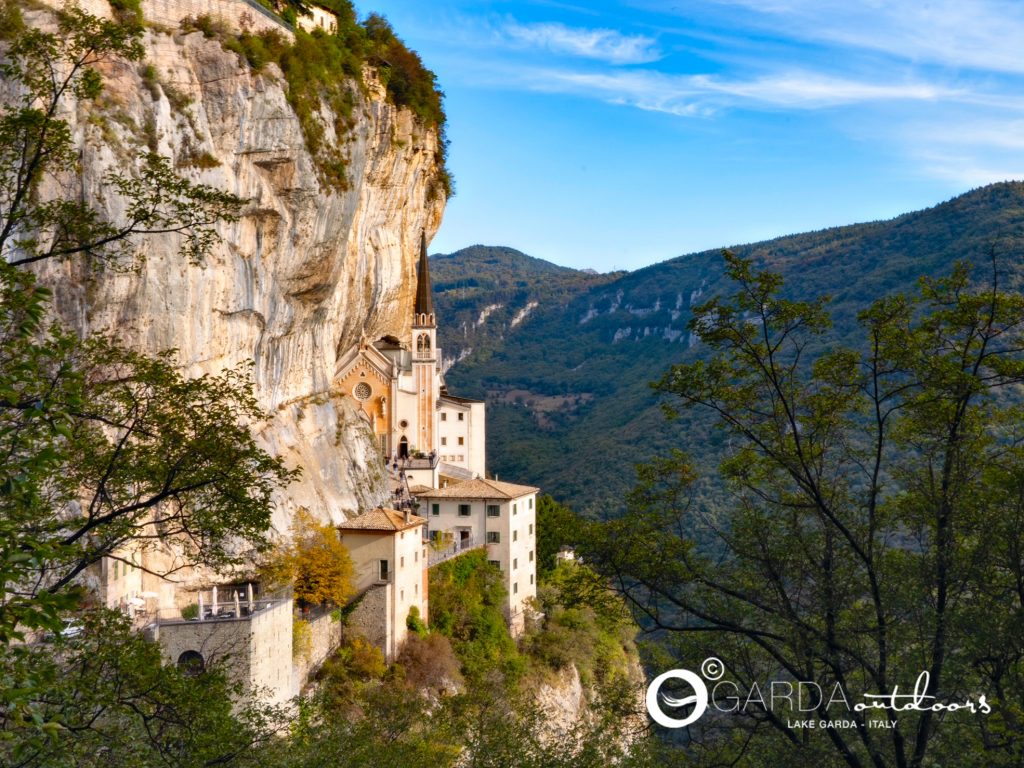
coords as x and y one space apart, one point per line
109 698
102 447
314 562
557 526
872 527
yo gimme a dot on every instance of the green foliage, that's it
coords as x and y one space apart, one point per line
128 12
302 639
586 624
414 622
97 442
557 526
324 70
190 612
105 696
873 523
466 599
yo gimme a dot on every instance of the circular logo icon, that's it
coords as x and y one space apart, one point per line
699 698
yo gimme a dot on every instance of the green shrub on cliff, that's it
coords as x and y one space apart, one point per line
322 68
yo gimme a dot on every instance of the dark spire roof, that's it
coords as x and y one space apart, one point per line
424 297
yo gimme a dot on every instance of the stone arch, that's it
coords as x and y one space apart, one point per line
191 663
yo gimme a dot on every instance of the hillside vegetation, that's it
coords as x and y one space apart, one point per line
568 387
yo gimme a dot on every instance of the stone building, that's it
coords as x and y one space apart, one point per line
390 560
497 515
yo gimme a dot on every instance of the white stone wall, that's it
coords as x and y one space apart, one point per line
406 585
238 15
409 582
462 436
318 18
256 651
270 666
324 639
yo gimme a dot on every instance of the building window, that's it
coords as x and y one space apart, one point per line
515 564
531 555
444 441
531 578
401 562
515 535
514 510
515 588
495 563
531 502
416 588
462 417
531 529
463 510
362 391
493 510
462 441
435 509
401 595
493 537
385 571
416 556
444 417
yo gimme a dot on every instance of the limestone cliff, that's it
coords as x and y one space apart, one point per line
306 271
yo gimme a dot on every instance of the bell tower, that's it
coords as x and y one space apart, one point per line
424 353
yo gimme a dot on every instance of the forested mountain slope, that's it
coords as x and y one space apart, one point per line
568 384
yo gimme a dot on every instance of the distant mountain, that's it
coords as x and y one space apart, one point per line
485 293
566 381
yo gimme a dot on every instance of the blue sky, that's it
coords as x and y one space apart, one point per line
612 135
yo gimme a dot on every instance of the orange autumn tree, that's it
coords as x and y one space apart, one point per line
315 563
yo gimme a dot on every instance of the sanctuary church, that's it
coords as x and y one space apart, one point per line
399 388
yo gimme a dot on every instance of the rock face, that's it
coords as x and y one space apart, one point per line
304 274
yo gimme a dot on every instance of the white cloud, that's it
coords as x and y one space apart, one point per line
980 34
605 45
695 95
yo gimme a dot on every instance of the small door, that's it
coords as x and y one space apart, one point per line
403 449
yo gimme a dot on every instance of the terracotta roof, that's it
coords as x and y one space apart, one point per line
480 489
419 490
381 519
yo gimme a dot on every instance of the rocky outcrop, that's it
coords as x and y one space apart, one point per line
304 274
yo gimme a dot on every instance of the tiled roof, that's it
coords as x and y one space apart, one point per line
419 490
381 519
479 489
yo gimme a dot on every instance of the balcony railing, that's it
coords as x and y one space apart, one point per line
243 610
425 462
439 551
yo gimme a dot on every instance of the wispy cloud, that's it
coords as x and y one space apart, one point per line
605 45
981 34
702 94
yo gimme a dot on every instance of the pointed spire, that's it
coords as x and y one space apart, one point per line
424 297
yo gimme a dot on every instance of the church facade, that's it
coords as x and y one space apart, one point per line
399 388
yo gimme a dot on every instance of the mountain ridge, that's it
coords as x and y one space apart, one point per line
567 385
